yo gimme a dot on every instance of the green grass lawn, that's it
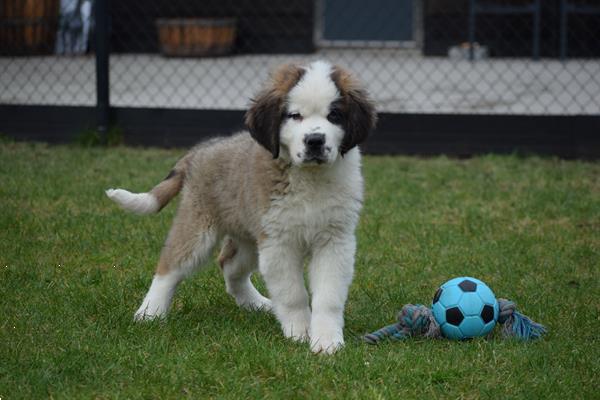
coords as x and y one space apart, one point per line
74 268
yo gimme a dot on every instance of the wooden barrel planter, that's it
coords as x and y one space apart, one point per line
196 37
28 27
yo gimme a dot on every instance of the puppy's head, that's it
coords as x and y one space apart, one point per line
311 115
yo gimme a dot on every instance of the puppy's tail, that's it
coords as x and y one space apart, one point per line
154 200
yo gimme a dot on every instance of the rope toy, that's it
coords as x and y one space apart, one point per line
420 320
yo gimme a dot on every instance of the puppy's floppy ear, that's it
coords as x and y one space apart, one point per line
268 108
359 112
263 120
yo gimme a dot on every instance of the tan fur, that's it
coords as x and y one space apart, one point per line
228 251
344 80
284 78
228 186
167 189
172 184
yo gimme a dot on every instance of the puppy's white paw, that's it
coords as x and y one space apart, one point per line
296 335
296 326
257 303
326 342
148 312
158 299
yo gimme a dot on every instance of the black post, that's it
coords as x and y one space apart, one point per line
537 16
102 76
563 29
471 29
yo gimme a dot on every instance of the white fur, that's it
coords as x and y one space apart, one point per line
315 91
158 299
237 272
311 98
316 218
331 271
139 203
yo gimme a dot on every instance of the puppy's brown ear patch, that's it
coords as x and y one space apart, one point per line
357 107
268 108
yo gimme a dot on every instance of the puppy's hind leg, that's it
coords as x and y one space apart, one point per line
187 247
238 260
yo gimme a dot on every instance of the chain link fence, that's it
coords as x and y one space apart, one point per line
528 57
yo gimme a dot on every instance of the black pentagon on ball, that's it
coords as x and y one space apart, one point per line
487 314
454 316
436 296
468 286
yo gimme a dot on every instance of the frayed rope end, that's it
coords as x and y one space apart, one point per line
390 331
517 325
413 320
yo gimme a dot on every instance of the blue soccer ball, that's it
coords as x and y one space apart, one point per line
464 308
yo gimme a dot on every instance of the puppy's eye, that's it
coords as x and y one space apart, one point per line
334 116
295 116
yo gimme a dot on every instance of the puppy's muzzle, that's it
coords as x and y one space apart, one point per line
315 147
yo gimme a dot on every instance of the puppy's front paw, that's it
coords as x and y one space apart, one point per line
296 335
326 341
296 326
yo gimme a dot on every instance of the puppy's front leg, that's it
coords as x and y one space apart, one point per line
331 271
282 269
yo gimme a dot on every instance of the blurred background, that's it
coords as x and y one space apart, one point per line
449 76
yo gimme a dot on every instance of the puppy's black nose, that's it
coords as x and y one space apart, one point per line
314 140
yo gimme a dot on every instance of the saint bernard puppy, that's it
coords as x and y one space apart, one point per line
288 189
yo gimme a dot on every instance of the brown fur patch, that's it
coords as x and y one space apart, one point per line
172 184
357 108
265 115
344 80
162 268
168 188
228 251
284 78
262 237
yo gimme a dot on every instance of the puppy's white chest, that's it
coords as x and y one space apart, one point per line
312 209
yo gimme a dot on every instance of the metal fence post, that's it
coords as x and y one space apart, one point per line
102 69
472 12
563 29
537 16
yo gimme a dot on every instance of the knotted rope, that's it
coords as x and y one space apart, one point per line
517 325
418 320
